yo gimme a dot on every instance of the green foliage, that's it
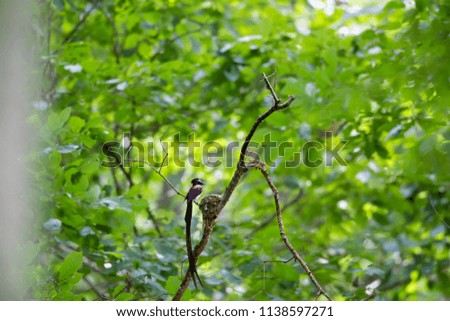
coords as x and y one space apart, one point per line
72 263
372 80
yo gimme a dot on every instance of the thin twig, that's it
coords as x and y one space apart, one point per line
259 120
436 212
122 168
159 173
297 256
173 39
293 201
116 37
278 261
152 218
116 182
131 183
272 91
154 221
127 175
80 22
94 288
264 269
165 155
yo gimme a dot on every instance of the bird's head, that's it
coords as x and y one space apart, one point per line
197 181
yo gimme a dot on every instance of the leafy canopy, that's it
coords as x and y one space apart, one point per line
370 79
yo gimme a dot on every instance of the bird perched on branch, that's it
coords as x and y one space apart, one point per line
195 190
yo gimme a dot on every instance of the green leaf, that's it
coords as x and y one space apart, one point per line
422 4
118 289
172 284
124 297
92 194
71 264
75 278
427 145
74 220
76 124
57 120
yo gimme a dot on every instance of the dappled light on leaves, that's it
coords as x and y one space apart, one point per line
337 158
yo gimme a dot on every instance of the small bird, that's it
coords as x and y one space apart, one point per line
194 192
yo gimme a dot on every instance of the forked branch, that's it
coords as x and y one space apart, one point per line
241 168
217 203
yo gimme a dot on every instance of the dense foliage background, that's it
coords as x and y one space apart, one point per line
372 74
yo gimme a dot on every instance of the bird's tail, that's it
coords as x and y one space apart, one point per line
190 253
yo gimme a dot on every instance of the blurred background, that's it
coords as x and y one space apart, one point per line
87 86
16 64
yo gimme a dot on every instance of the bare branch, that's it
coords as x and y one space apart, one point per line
255 126
241 168
269 86
80 22
159 173
297 256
